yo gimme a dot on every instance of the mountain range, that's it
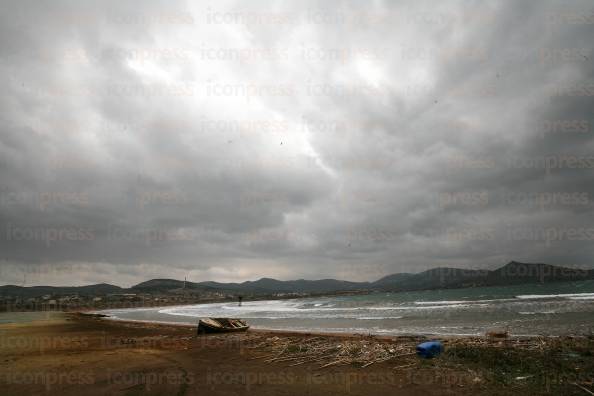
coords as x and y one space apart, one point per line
436 278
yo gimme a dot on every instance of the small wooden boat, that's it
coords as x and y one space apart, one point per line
221 325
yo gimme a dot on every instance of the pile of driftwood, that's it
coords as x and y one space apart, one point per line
525 343
330 351
365 351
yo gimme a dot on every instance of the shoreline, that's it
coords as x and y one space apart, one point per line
346 333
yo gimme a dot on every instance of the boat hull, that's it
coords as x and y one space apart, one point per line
221 325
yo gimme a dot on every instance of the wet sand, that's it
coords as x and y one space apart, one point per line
74 354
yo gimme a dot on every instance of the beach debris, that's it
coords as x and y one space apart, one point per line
523 378
327 352
582 388
403 366
527 343
362 351
429 349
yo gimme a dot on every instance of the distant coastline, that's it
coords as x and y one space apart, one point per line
165 292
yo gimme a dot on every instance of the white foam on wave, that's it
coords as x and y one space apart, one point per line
455 302
474 305
581 296
126 310
179 313
268 311
536 313
444 302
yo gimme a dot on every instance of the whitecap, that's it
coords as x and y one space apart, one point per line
543 296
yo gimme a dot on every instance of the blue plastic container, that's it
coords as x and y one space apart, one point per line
429 349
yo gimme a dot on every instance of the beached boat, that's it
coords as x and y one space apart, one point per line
221 325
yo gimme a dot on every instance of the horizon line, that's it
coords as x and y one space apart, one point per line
311 280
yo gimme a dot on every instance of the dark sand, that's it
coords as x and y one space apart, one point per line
85 355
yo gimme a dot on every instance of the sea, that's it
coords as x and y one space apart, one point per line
525 310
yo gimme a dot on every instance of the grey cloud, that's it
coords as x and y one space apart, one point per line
347 142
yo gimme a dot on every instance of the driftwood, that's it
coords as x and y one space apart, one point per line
403 366
388 358
583 388
328 351
333 363
363 351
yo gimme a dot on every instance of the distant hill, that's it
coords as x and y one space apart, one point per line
392 280
516 273
436 278
512 273
264 285
304 286
159 284
431 279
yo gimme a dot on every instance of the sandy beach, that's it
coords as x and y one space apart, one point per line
72 354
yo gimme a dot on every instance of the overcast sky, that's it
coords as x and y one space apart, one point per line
237 140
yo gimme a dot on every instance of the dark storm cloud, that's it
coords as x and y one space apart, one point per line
233 141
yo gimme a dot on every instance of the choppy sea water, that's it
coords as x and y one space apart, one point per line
551 309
